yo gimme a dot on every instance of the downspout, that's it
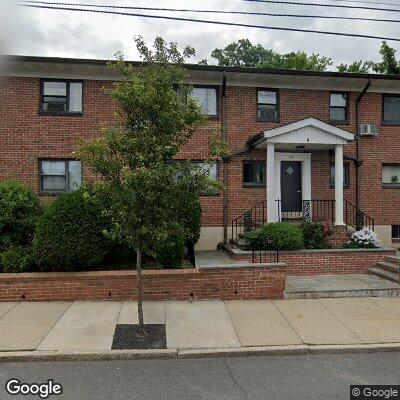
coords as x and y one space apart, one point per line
225 160
358 162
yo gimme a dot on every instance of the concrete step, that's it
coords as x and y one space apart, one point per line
389 266
384 274
393 259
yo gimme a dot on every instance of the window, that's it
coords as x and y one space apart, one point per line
391 175
391 108
58 176
61 97
253 173
346 175
207 98
210 168
396 232
338 107
267 105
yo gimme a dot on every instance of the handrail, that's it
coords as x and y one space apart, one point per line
249 220
356 218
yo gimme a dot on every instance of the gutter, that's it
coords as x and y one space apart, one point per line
358 162
225 160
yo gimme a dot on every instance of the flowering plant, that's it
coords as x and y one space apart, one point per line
364 238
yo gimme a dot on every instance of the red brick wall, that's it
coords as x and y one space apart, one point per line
27 136
325 262
230 283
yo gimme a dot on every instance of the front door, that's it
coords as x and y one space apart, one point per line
291 186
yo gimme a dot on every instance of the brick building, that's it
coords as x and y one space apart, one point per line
296 150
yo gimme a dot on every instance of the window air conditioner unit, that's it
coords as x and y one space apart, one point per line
368 130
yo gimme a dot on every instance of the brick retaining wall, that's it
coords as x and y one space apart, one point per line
315 262
260 281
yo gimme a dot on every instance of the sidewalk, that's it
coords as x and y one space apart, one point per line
89 326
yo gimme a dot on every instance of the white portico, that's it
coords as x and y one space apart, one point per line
288 169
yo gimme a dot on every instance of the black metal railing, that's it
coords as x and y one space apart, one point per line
356 218
311 210
248 221
265 255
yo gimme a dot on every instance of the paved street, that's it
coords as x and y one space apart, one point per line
48 326
276 377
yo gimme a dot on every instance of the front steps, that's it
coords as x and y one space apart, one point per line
388 269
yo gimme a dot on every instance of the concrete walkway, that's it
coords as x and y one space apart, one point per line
82 326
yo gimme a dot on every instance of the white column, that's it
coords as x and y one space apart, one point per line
271 203
339 185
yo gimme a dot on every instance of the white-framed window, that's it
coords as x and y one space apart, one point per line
59 175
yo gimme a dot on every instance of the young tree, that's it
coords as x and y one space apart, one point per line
150 194
389 64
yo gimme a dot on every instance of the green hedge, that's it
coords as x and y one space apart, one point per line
169 253
19 212
277 236
17 259
70 234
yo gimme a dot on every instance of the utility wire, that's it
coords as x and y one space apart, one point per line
217 11
203 21
323 5
368 2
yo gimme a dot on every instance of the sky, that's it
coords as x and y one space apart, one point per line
27 31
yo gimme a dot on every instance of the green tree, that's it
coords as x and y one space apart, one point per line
356 67
245 54
389 64
133 157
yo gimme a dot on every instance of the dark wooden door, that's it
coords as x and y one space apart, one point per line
291 186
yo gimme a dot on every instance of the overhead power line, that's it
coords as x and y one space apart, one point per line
215 11
368 2
203 21
295 3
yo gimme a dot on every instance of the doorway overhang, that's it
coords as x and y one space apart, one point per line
310 133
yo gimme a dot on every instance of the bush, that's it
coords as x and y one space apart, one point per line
70 234
315 235
17 259
19 212
276 236
169 253
363 239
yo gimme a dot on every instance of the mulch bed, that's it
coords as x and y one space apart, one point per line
127 337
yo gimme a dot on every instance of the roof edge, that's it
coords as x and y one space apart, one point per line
199 67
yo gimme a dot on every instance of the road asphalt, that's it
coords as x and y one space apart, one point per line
276 377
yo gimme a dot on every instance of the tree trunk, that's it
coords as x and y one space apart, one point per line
139 289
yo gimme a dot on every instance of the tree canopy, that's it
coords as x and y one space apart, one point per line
244 53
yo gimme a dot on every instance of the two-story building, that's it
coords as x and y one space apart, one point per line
317 145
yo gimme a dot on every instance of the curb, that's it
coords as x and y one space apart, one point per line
168 354
95 355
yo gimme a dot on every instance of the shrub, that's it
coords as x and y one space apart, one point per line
19 212
256 239
70 234
17 259
364 238
169 252
315 235
277 236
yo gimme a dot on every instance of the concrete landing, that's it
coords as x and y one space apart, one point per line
352 285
